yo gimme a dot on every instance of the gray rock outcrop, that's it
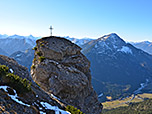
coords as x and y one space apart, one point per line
60 68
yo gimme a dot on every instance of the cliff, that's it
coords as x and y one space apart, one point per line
60 68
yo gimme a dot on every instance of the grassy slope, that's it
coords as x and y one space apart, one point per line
135 106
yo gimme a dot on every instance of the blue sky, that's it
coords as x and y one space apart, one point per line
131 19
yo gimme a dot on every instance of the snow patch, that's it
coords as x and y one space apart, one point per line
96 46
55 97
18 55
11 70
100 95
13 97
125 49
55 108
142 86
114 46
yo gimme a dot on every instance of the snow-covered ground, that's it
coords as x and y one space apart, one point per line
100 95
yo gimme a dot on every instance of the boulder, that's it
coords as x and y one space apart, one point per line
60 68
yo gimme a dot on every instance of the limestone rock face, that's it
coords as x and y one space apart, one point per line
60 68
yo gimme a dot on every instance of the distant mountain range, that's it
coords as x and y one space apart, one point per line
117 67
145 45
21 43
14 43
24 58
2 52
79 42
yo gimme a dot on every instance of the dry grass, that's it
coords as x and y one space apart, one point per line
145 95
121 103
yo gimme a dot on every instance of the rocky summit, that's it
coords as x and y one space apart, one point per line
60 68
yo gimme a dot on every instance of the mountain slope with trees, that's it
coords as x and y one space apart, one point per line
117 66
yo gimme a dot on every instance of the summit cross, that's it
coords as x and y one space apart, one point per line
51 30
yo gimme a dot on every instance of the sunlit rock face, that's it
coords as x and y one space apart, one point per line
60 68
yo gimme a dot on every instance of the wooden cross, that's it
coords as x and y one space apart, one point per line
51 30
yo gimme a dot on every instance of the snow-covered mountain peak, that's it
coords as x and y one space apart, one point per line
113 37
109 44
17 43
3 36
111 41
15 36
31 36
77 41
144 45
147 42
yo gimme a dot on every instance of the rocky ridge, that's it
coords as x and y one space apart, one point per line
60 68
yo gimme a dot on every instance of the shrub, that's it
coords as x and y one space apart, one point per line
3 70
41 58
39 53
73 110
35 48
33 67
42 45
14 81
34 59
19 84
